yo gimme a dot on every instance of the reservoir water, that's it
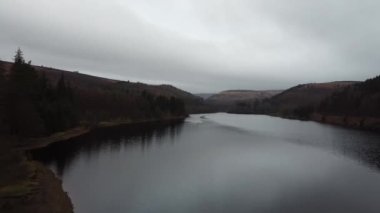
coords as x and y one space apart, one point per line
220 163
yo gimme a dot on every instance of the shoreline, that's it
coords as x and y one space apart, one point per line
36 143
42 190
371 124
353 122
50 189
30 186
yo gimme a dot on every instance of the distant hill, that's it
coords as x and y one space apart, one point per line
290 101
226 100
204 95
239 95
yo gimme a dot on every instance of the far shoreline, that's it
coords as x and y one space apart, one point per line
370 124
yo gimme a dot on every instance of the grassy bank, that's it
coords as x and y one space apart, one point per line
27 186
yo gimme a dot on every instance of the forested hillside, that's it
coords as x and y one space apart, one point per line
345 103
298 101
36 101
361 99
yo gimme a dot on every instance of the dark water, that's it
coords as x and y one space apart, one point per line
221 163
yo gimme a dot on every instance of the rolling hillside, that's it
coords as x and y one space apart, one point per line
42 100
306 94
294 100
362 99
356 106
87 84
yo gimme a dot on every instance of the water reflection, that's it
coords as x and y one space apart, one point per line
362 146
365 150
220 163
60 155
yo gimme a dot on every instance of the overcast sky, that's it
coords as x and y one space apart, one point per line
199 45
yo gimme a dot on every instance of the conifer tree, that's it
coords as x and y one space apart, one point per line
19 57
21 99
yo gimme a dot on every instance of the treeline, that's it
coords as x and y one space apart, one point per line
264 106
161 104
32 104
301 102
361 99
271 106
297 101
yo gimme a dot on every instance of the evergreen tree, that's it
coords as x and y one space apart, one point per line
65 111
21 99
34 106
19 57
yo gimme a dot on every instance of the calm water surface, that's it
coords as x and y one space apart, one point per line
221 163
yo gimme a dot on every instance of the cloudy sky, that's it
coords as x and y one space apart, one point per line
199 45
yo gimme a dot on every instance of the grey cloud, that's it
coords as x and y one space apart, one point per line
199 45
